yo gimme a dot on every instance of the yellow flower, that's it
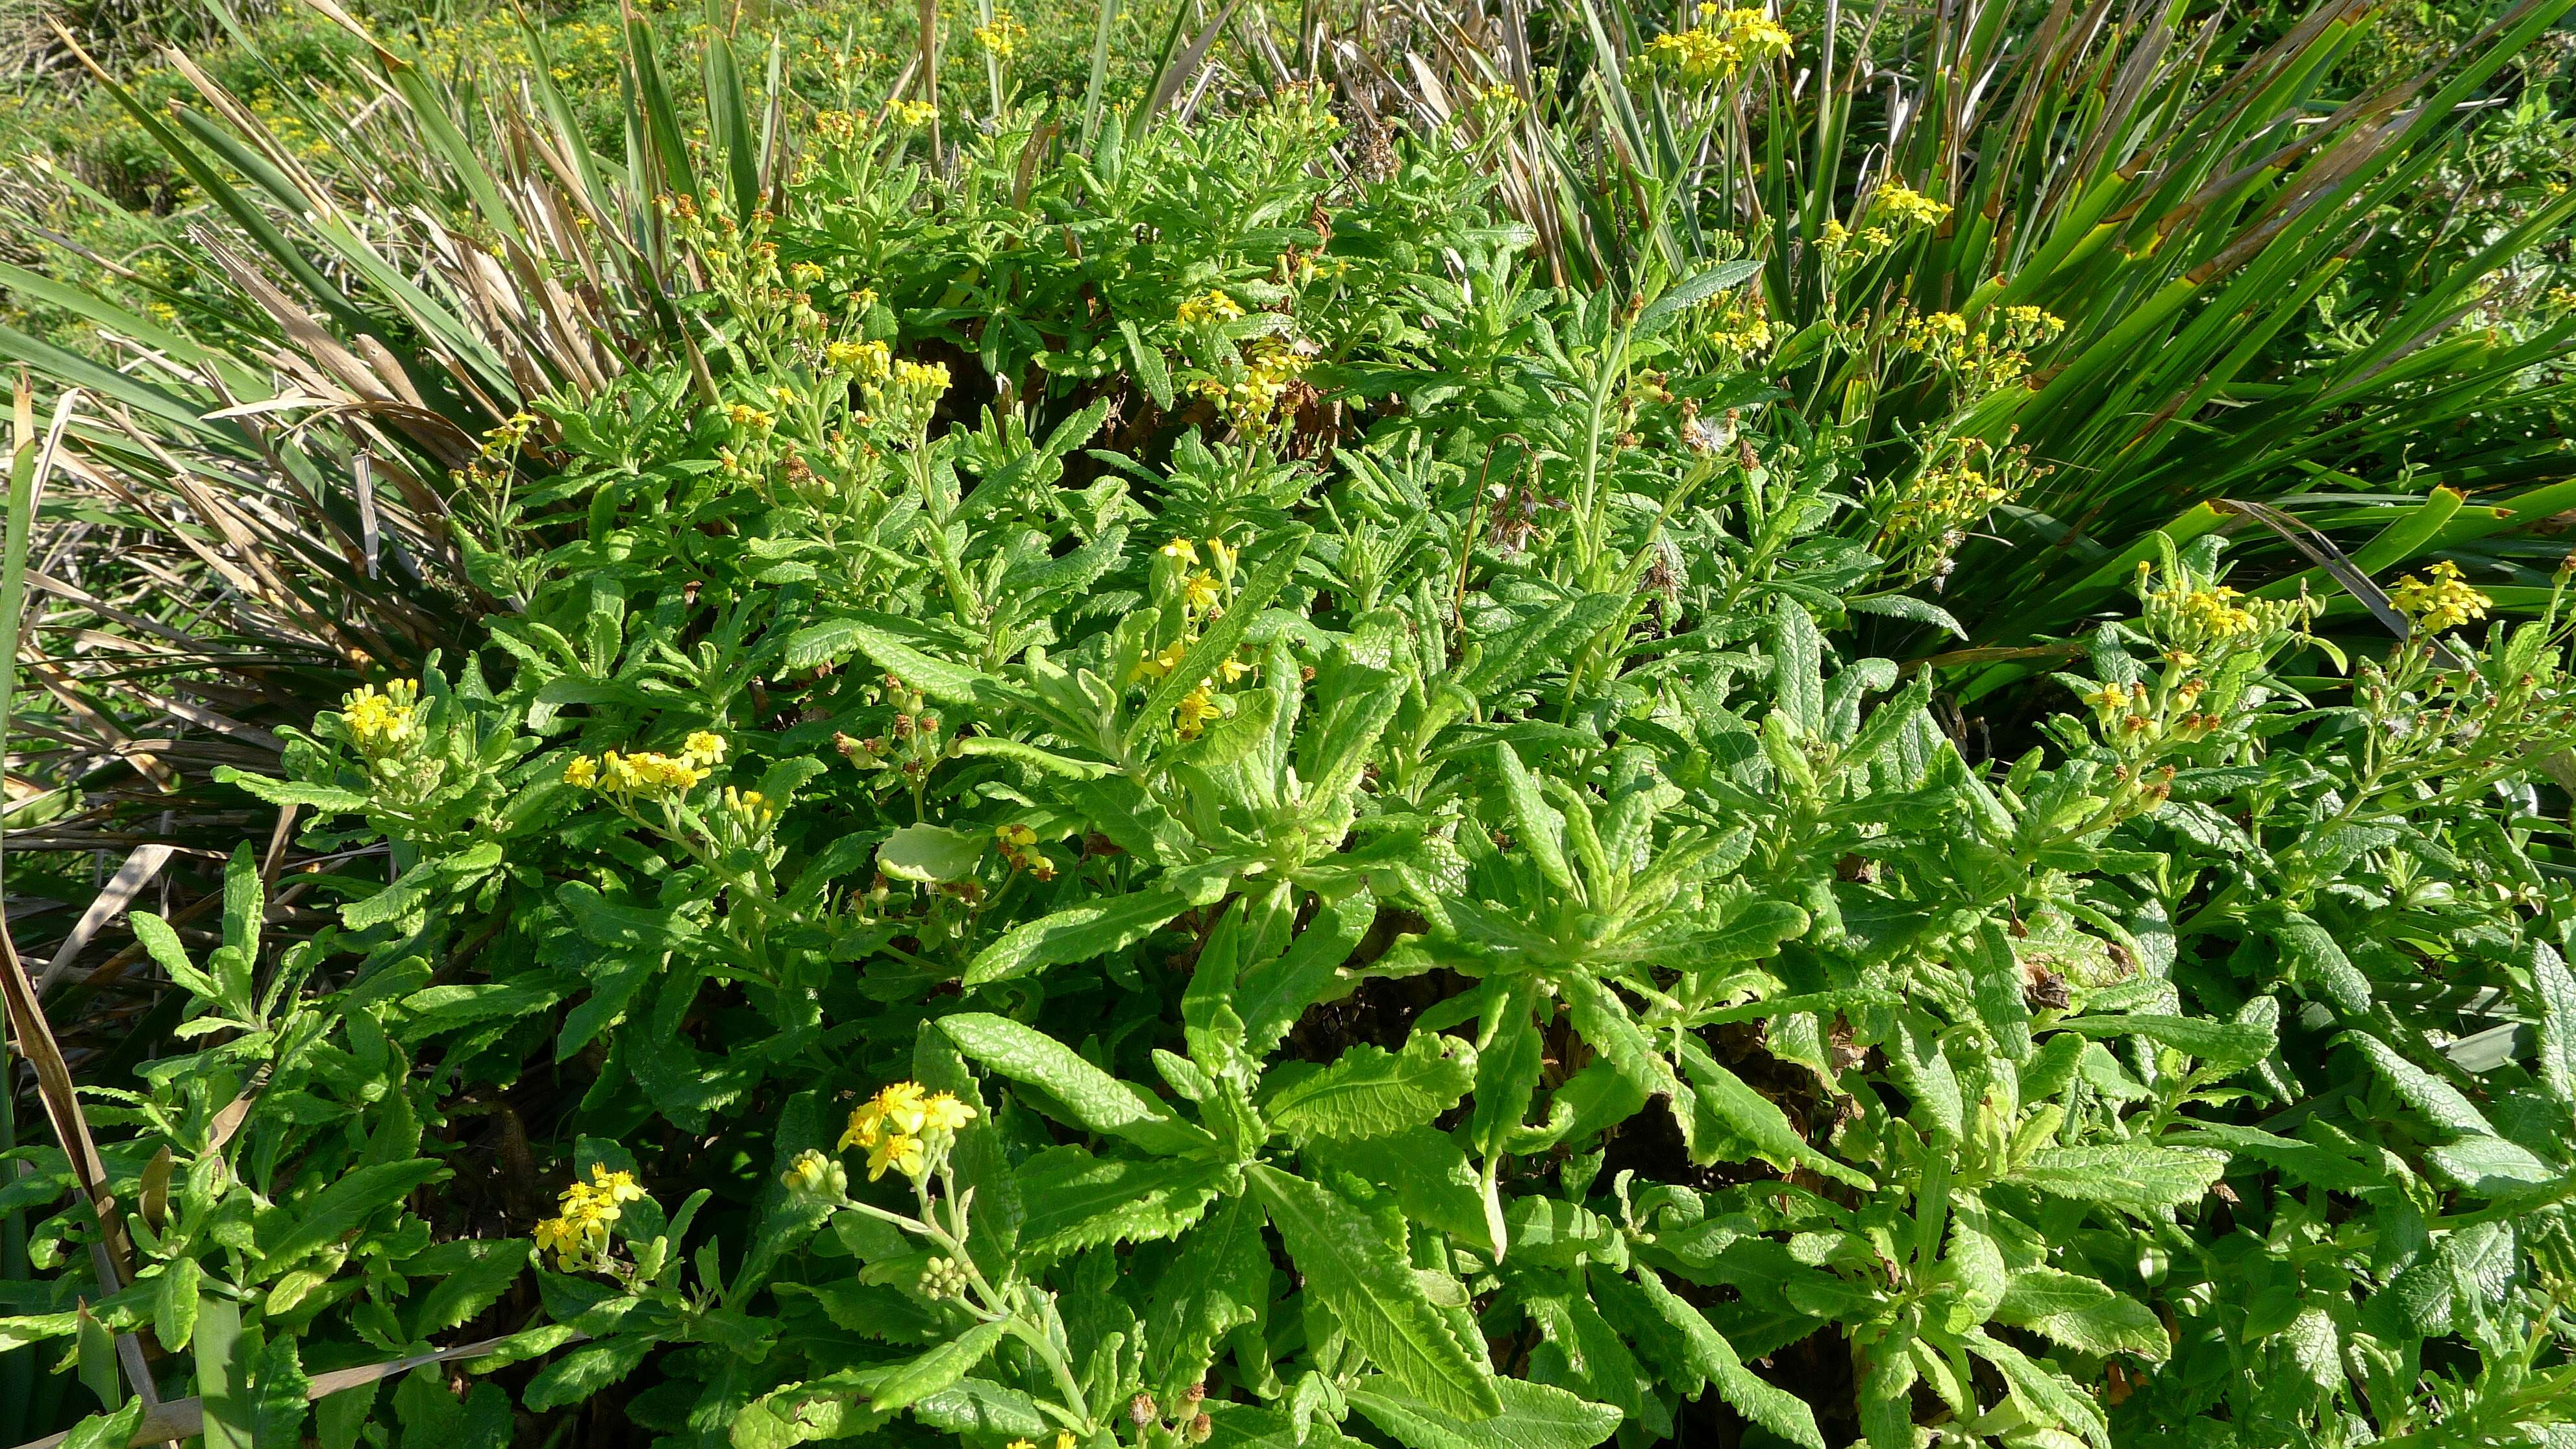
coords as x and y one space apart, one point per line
646 772
1908 207
2444 603
747 416
1194 711
583 771
1002 36
1180 551
944 1113
703 747
897 1151
867 361
912 113
383 724
1202 591
1209 306
1163 662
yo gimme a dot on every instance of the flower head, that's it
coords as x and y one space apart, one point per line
2442 603
703 748
383 724
905 1128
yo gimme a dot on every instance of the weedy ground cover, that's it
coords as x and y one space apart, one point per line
1294 764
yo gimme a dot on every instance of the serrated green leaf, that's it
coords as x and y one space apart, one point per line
1534 1416
1351 1268
1088 1096
1369 1091
1076 933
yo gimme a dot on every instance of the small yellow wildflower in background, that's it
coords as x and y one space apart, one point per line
905 1128
578 1234
387 723
1906 206
1209 306
2444 603
1002 36
866 361
1720 45
930 378
504 440
911 113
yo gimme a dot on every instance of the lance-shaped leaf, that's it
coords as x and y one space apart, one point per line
1353 1270
1082 1093
1076 933
1369 1091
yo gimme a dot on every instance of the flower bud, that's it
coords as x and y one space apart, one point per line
1141 1411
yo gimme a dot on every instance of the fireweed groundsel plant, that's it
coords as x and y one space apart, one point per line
1179 802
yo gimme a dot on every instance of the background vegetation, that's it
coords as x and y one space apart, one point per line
1443 726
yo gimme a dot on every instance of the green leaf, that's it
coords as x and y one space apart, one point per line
1088 1096
2555 988
937 1369
881 640
1354 1271
1540 829
1274 993
1219 1282
1369 1091
1756 1119
2042 1389
1077 1200
108 1431
2426 1093
1534 1416
931 854
2130 1176
1765 1403
328 799
286 1234
1077 933
584 1372
2081 1314
2225 1047
1692 290
2313 955
174 1303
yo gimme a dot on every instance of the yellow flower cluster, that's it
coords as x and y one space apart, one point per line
1948 498
2444 603
1723 43
905 1128
504 440
1002 36
911 113
1905 206
1250 403
1209 306
2198 620
578 1234
1842 241
744 415
1741 329
866 361
649 772
384 724
1062 1441
930 378
2032 324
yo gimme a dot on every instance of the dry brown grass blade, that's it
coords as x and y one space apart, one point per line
139 868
